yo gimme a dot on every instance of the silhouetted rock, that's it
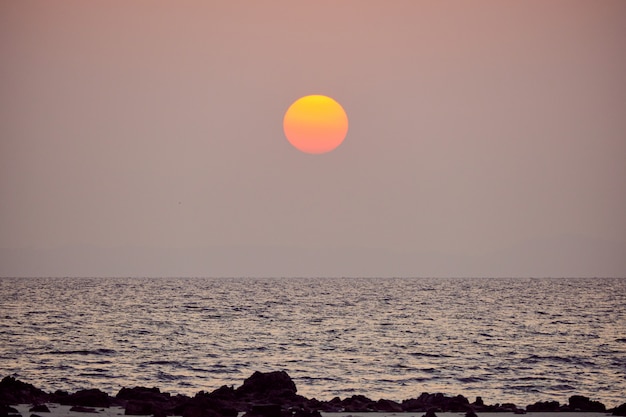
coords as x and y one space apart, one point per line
430 413
581 403
358 403
508 408
619 410
261 385
438 402
82 409
142 394
272 394
13 391
306 413
269 388
191 410
206 405
264 410
145 401
388 406
543 406
40 408
224 393
146 408
8 411
87 398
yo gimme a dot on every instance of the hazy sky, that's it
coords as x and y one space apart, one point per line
144 138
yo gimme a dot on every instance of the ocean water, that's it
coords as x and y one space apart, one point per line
507 340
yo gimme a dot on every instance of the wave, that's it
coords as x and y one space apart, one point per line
83 352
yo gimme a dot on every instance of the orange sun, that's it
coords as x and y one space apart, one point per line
315 124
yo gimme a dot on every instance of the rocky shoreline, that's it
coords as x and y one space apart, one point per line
271 394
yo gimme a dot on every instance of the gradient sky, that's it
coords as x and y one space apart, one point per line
144 138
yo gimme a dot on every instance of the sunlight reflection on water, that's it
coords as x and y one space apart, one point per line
507 340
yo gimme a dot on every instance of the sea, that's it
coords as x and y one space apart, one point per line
508 340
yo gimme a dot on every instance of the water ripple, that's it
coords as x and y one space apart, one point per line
507 340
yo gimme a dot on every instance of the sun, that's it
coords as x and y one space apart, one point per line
315 124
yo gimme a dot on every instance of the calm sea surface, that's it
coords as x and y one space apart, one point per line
507 340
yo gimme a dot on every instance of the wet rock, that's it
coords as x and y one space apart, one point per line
13 391
40 408
619 410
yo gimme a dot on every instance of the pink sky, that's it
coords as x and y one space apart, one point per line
145 138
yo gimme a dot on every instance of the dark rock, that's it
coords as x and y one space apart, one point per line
145 401
358 403
269 388
264 410
543 406
87 398
306 413
142 394
13 391
224 393
430 413
34 415
141 408
6 411
40 408
619 410
262 383
457 404
205 405
333 406
581 403
479 401
191 410
470 413
438 402
508 407
387 406
81 409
